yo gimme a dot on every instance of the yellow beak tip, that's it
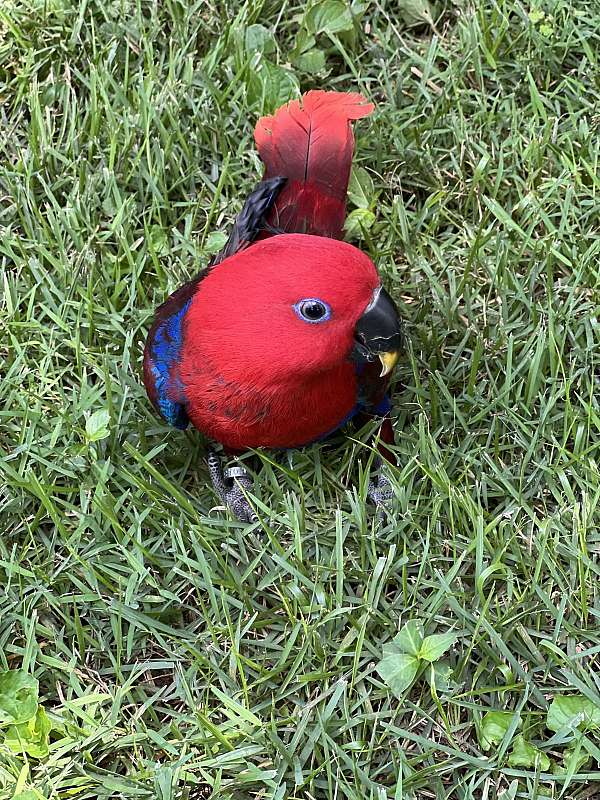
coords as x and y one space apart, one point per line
388 362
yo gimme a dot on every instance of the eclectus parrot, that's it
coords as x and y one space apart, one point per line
288 333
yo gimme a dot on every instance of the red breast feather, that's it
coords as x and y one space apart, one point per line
310 142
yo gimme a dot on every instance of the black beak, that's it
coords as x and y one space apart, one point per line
378 333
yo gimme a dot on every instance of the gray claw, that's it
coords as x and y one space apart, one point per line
230 484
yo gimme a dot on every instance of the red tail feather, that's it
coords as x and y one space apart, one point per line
310 142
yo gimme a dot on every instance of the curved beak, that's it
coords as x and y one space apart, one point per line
378 333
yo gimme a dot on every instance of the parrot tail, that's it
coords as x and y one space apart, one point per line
310 142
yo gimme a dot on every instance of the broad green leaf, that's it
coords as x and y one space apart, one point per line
493 727
31 737
358 221
572 711
215 241
18 697
410 638
158 240
574 759
311 61
524 754
329 16
414 12
360 188
434 647
440 674
398 670
258 38
304 41
96 426
271 85
359 8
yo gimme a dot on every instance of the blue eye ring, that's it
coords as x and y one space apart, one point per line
312 310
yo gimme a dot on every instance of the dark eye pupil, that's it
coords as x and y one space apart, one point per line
313 310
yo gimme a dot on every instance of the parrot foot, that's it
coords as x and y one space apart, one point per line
230 484
380 490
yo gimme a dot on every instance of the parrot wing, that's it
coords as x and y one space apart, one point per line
310 143
164 342
161 355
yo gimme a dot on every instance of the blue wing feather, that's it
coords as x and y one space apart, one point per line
161 355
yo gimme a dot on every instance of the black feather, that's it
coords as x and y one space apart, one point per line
250 221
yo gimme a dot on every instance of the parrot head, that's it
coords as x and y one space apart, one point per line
294 304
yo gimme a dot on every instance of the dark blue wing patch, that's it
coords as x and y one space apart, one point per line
382 408
163 351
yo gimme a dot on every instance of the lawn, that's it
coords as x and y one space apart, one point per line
180 652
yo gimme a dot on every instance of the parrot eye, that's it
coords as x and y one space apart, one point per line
312 310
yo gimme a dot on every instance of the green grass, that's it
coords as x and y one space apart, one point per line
176 647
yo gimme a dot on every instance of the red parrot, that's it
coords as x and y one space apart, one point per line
288 333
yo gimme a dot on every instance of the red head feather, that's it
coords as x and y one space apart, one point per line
310 141
255 373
